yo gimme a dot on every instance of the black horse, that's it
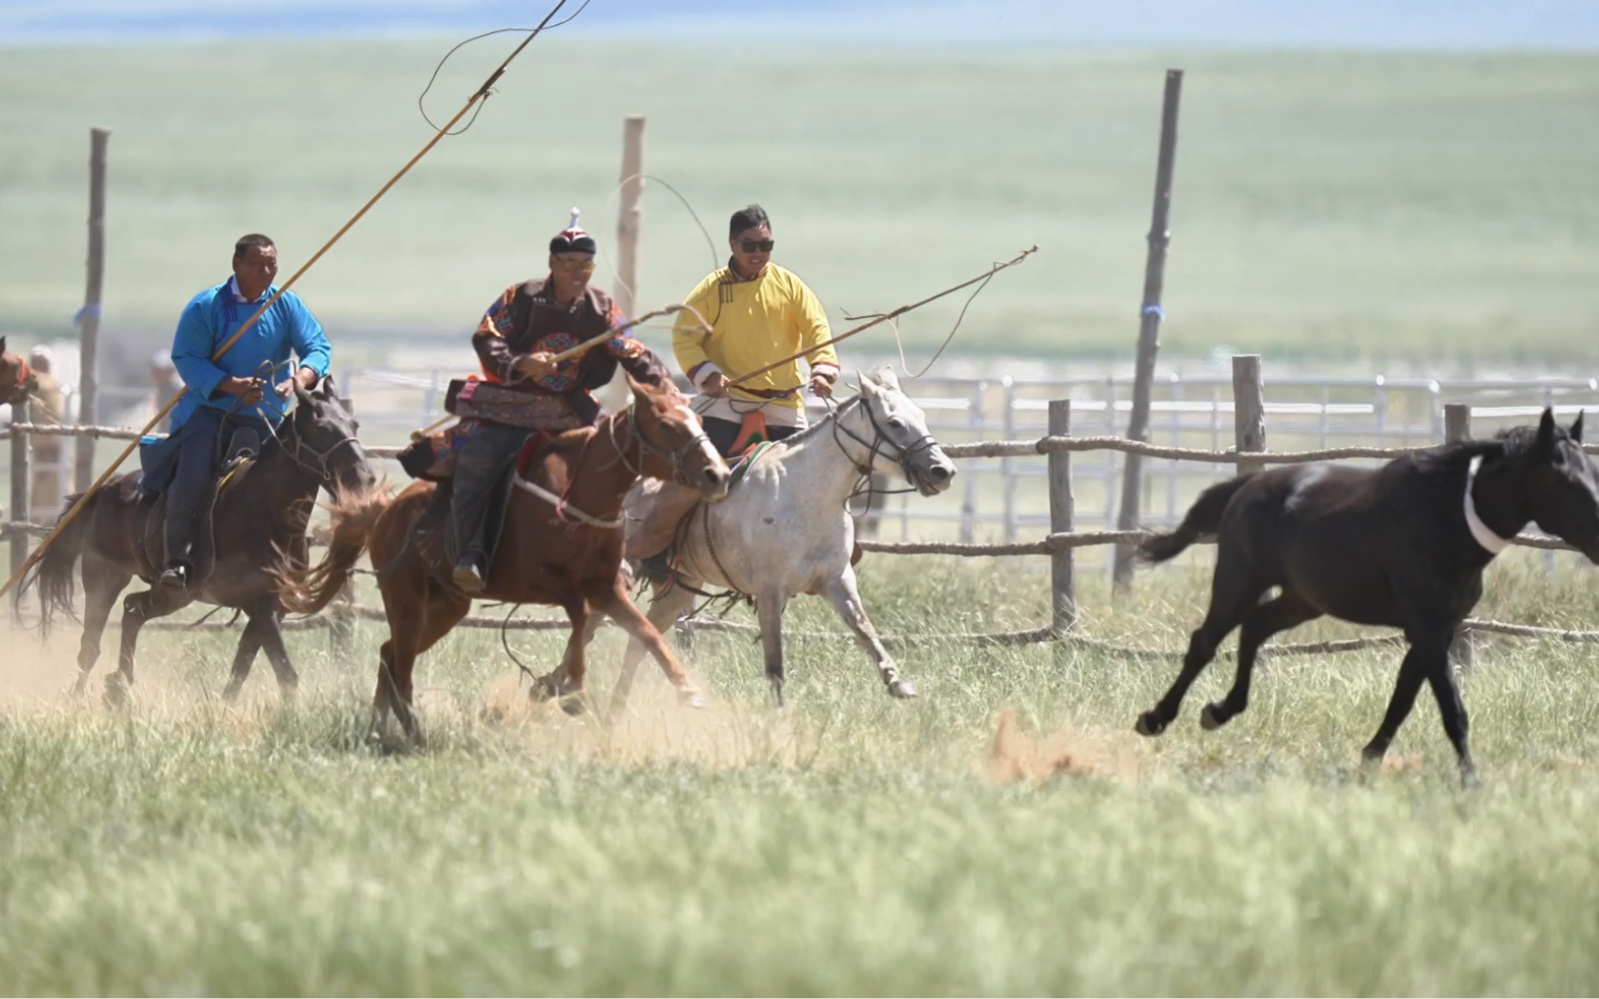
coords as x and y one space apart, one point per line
1401 545
259 517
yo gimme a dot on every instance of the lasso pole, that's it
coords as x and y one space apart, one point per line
885 317
72 512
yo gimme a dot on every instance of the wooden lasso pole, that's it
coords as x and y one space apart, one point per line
885 317
72 512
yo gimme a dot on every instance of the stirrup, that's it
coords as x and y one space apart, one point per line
468 574
175 576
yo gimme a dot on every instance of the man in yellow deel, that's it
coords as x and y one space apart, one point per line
758 313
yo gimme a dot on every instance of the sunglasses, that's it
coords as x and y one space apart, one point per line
763 245
583 266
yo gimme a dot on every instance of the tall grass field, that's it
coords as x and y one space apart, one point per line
1005 833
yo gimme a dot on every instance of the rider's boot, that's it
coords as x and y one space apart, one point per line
469 573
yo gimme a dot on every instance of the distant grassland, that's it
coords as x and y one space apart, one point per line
1325 203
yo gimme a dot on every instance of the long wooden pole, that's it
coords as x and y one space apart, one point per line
885 317
1148 330
89 317
73 511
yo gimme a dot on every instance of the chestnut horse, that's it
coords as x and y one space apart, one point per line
561 544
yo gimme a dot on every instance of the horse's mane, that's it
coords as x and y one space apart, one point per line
815 429
1513 443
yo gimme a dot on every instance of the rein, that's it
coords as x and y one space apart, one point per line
863 485
323 469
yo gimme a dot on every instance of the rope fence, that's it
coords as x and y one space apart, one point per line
1059 544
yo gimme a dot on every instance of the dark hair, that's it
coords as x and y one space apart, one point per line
748 217
252 239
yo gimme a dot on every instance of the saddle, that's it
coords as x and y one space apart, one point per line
433 542
243 449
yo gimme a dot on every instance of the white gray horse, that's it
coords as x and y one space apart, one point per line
784 528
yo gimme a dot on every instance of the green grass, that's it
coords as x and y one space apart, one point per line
847 845
1327 205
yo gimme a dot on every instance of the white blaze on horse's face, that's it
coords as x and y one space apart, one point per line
912 452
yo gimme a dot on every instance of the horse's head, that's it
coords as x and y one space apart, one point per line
16 381
903 445
672 444
1560 482
322 440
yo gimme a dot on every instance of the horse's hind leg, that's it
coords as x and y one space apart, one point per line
846 599
769 610
136 610
1412 671
1287 611
243 657
666 608
1233 594
102 581
413 630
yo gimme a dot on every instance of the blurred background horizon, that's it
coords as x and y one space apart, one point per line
1365 188
1384 24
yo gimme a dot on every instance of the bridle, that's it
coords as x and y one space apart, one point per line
874 447
643 446
296 448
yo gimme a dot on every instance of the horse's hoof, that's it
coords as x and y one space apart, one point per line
691 699
1469 781
573 705
1148 724
1210 719
903 689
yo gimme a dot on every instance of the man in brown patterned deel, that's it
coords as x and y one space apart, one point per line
516 342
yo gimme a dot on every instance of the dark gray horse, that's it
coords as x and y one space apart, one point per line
1402 545
260 515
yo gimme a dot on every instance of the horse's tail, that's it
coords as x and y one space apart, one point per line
53 572
308 589
1203 518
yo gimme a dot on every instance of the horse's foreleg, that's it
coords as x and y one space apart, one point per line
136 610
769 610
101 584
644 635
845 596
1451 709
1412 671
565 683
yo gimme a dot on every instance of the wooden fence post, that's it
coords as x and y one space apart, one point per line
21 477
89 317
629 222
1148 330
1249 410
1457 427
1063 588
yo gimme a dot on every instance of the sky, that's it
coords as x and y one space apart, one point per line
1425 24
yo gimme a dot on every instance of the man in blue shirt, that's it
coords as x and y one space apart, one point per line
250 383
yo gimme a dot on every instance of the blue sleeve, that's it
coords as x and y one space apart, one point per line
191 350
310 343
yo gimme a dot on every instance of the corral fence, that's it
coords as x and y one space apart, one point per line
1056 448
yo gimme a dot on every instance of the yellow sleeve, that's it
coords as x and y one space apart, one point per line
689 339
813 327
